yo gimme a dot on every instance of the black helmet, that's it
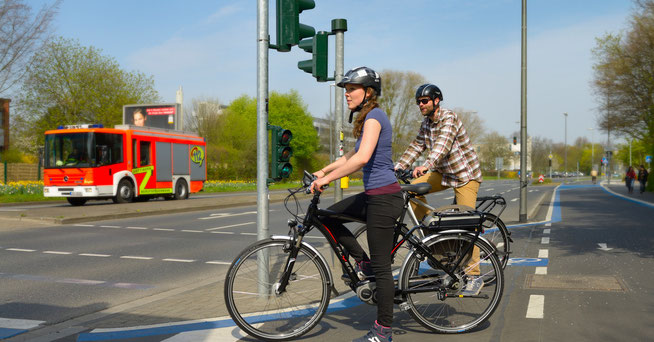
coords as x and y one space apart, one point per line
363 76
430 91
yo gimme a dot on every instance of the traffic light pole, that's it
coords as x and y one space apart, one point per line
339 26
262 139
523 119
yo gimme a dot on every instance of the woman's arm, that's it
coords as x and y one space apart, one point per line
333 166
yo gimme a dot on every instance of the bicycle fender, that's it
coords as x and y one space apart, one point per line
313 249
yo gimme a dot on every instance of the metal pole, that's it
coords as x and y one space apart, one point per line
608 142
630 152
523 118
339 26
262 138
565 154
331 126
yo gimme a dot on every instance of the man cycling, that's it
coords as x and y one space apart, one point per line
450 161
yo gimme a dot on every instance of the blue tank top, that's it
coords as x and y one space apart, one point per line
379 172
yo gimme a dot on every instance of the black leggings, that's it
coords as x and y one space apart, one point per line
380 213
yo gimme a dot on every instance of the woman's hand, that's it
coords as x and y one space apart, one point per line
320 173
318 184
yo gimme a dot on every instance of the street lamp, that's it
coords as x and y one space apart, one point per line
565 153
592 148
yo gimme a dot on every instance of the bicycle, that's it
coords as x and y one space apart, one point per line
279 288
494 229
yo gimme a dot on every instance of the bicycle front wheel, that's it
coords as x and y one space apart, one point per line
253 299
447 310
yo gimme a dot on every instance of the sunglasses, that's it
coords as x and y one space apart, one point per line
423 101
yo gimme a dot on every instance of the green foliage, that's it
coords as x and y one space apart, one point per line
11 155
234 153
67 83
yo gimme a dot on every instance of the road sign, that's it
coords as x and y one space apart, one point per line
541 179
605 161
498 163
648 159
550 156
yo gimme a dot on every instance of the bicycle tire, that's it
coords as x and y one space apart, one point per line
452 314
495 232
255 307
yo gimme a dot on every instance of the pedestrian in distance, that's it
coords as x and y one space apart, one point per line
593 175
381 202
629 179
642 178
450 161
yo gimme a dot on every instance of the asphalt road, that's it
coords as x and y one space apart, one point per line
59 274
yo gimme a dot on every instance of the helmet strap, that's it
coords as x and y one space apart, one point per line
360 106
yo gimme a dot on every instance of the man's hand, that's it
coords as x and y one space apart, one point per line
419 171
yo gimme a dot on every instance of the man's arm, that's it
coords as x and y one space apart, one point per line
412 152
446 134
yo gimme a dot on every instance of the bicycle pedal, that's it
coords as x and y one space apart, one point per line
404 306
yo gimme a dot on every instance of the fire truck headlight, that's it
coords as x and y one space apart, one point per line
88 189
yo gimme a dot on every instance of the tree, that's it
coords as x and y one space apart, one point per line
236 150
540 151
624 77
473 124
203 117
21 34
67 83
398 101
493 145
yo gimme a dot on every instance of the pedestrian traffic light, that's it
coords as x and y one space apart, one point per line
280 166
317 65
515 140
289 29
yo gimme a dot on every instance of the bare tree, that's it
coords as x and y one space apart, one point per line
493 145
203 117
21 34
472 122
398 101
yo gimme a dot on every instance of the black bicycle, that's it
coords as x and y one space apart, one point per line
279 288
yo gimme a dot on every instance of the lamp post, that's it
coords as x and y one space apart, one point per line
592 148
565 153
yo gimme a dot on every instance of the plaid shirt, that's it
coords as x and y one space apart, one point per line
450 151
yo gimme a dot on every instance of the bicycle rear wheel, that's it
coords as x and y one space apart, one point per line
252 299
446 310
496 233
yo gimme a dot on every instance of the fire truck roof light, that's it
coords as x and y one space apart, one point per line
80 126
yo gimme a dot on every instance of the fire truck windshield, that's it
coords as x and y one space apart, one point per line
64 150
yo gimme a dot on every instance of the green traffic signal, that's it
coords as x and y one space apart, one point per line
319 49
289 29
281 153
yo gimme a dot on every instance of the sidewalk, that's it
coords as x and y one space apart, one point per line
618 188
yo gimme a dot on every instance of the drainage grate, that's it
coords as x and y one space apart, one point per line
575 282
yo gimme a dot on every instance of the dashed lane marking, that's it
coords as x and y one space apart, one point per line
536 306
20 250
515 199
543 253
136 257
546 231
541 270
95 255
164 229
192 231
57 252
111 227
138 228
545 240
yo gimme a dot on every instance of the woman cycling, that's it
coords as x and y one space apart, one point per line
381 202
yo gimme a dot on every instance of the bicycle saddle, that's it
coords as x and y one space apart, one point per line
418 189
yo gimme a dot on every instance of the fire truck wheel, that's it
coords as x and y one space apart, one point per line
125 192
76 201
181 190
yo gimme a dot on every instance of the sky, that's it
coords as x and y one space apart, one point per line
469 48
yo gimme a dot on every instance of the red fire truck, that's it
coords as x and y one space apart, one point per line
125 163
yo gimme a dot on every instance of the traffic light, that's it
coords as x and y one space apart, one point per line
289 29
317 65
515 140
280 166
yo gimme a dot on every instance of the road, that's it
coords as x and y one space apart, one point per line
169 268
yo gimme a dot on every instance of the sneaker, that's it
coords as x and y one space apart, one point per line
363 270
473 286
378 333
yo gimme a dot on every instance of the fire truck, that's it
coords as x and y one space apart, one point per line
125 163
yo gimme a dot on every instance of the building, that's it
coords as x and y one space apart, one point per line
328 141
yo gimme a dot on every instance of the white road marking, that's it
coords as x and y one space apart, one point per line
541 270
548 224
84 225
111 227
222 232
546 231
56 252
248 233
230 226
543 253
179 260
141 228
491 189
213 216
218 263
449 198
136 257
515 199
545 240
192 231
603 247
13 323
164 229
21 250
95 255
536 306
